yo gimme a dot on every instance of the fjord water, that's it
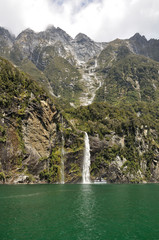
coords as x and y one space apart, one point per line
79 212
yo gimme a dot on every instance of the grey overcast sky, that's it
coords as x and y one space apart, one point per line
101 20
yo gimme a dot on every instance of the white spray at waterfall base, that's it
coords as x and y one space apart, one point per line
86 161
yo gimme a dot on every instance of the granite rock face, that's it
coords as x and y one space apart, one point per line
85 48
82 48
142 46
114 167
6 42
25 155
31 131
27 42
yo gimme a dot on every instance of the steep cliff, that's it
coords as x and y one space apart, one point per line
148 48
31 129
124 140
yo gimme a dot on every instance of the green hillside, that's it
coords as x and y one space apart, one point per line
130 78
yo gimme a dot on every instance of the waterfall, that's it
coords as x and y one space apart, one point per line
96 63
86 161
62 157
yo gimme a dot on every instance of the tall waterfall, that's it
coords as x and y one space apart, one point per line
86 161
62 157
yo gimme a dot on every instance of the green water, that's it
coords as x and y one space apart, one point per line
79 212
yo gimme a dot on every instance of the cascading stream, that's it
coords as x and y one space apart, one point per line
86 161
91 82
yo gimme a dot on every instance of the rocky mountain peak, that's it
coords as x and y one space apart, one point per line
137 37
50 28
139 45
28 30
85 48
53 34
81 38
27 33
5 34
6 39
63 34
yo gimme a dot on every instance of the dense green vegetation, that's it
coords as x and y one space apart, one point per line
131 78
64 78
137 124
53 172
16 92
101 118
16 87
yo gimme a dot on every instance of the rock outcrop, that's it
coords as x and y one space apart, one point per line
115 167
31 129
142 46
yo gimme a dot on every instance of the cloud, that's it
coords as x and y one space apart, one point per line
102 20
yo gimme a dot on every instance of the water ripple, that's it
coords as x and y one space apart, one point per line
23 196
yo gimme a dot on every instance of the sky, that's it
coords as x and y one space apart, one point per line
101 20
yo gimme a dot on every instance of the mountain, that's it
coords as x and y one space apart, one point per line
78 70
140 45
31 128
130 77
54 88
36 52
6 42
85 48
